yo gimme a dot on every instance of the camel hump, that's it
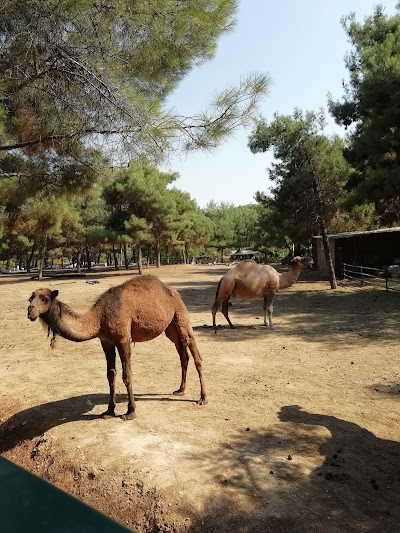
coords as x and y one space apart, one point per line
146 278
145 281
169 290
245 264
150 281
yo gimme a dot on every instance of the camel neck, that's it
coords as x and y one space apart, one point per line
70 325
288 278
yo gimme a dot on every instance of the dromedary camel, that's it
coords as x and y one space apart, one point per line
249 280
136 311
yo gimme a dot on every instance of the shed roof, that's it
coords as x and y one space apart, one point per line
243 252
358 233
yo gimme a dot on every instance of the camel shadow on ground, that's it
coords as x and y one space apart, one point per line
308 472
35 421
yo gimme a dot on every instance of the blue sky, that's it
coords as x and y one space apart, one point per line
302 46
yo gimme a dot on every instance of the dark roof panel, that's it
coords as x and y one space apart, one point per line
358 233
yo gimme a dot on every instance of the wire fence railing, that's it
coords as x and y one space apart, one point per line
371 276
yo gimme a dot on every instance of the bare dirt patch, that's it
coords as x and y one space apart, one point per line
301 432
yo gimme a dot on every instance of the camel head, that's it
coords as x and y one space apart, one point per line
40 303
302 262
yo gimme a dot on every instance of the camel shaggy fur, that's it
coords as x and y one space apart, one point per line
136 311
249 280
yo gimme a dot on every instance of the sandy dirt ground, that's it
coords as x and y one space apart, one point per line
301 432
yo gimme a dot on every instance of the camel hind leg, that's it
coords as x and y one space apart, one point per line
184 341
214 310
225 306
124 350
172 333
224 292
197 361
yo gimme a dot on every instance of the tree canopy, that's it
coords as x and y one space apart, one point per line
305 158
83 72
309 174
370 108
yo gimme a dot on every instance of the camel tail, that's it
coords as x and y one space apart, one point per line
219 285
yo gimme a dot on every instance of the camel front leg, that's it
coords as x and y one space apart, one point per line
268 309
109 351
124 350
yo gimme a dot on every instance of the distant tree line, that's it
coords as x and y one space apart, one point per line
136 215
83 127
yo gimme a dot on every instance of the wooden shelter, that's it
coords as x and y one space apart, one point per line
240 255
201 259
377 249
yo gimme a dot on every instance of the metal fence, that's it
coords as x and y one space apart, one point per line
371 276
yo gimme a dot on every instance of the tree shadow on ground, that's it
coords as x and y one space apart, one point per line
34 421
391 388
310 472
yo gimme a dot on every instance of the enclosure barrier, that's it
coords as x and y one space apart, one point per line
371 276
31 504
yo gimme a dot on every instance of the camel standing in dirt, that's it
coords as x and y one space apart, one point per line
136 311
249 280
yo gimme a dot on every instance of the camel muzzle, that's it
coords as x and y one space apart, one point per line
31 316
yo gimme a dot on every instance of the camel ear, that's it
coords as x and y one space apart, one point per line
54 294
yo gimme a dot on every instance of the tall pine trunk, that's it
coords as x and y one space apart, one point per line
158 254
139 258
30 257
88 258
126 259
115 258
324 234
42 258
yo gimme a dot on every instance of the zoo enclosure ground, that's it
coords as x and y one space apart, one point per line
301 431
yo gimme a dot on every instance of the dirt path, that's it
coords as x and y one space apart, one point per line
301 432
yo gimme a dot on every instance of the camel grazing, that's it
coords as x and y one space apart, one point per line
249 280
136 311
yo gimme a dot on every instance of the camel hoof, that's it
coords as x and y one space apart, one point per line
108 414
179 393
128 416
202 401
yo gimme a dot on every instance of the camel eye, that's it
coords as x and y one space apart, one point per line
44 299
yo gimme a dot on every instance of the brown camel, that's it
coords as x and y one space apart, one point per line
136 311
249 280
